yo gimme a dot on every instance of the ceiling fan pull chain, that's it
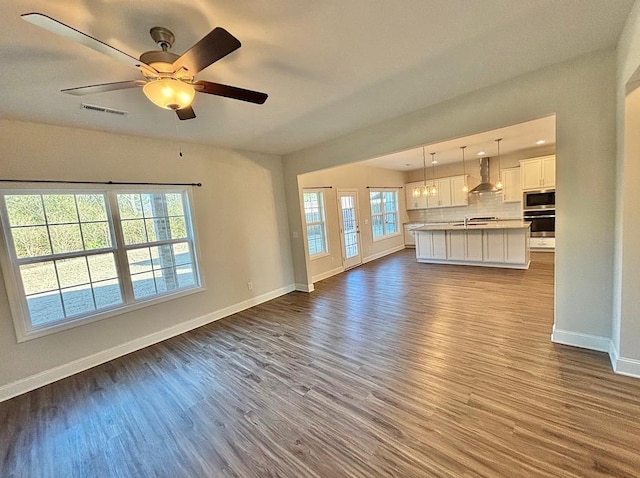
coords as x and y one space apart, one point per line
175 123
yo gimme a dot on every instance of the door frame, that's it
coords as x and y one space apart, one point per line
354 192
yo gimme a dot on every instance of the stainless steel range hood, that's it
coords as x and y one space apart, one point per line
485 185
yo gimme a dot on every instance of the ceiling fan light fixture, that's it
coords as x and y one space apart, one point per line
169 93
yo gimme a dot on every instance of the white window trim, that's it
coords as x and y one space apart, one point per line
384 236
326 252
13 282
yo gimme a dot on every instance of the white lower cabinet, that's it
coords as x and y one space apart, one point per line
505 247
493 246
516 247
456 245
464 245
474 246
431 245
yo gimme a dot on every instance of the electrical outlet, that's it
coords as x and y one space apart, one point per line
250 285
295 234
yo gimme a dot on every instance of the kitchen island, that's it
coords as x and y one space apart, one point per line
487 244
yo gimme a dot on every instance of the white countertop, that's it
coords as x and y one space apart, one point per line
459 226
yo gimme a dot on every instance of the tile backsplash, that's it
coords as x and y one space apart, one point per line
480 205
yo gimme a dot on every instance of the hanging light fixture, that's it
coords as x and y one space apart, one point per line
465 188
434 188
499 184
420 191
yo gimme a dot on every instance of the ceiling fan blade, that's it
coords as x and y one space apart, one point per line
186 113
59 28
217 44
101 88
230 92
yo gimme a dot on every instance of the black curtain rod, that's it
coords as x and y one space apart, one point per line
384 187
318 187
120 183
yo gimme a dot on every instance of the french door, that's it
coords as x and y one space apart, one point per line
349 228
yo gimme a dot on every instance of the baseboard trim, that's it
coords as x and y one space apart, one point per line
378 255
327 274
627 366
613 355
585 341
304 287
40 379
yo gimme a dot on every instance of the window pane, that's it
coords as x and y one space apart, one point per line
186 275
376 222
376 203
91 207
178 227
315 239
44 308
162 256
102 266
143 285
60 208
390 202
31 241
148 203
181 253
25 210
66 238
39 277
129 206
107 293
78 300
96 235
72 271
134 231
158 229
174 204
139 260
166 279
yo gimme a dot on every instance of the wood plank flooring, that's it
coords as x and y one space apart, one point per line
390 369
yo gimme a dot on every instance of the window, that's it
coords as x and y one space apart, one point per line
75 256
315 222
384 213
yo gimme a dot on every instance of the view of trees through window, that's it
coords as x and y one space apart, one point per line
65 248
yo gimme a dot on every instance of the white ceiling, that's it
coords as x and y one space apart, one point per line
329 67
515 138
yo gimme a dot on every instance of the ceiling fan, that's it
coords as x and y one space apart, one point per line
168 78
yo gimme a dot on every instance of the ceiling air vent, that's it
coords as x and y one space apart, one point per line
103 109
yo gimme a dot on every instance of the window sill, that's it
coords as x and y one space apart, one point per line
319 256
386 236
44 330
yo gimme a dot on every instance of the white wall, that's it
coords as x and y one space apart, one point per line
581 93
240 215
626 306
353 177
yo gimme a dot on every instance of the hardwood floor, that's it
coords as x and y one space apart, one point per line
390 369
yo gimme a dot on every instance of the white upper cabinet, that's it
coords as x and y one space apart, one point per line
538 173
459 197
511 190
414 197
449 193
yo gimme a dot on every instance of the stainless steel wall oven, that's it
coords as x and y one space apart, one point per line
543 222
539 208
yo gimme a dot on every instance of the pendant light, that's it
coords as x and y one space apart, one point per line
499 184
420 191
434 188
465 188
